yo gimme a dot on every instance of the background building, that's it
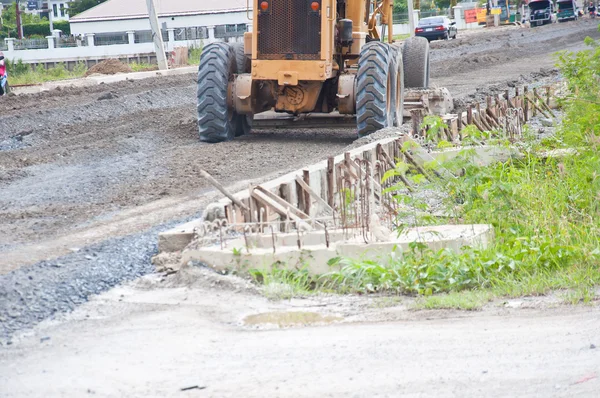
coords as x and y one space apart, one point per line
191 19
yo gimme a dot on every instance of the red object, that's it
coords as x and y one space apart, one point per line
439 28
2 70
264 5
419 30
315 6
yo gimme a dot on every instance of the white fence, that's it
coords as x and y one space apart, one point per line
134 44
138 44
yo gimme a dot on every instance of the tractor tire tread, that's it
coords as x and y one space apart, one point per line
371 88
214 124
415 55
242 61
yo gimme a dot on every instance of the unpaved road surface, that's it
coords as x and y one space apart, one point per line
135 342
77 159
89 176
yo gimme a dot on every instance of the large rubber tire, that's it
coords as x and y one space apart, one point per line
375 86
243 65
216 123
399 91
415 55
242 61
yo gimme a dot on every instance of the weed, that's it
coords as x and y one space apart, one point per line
282 284
21 73
401 37
194 55
142 67
583 295
468 300
545 213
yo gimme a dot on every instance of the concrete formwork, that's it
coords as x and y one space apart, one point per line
317 177
314 250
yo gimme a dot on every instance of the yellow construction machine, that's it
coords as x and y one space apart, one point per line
310 57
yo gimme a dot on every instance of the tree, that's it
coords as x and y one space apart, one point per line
79 6
400 7
9 17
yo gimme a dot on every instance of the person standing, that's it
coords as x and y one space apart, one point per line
3 74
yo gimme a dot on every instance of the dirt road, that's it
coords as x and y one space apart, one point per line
80 160
88 176
136 342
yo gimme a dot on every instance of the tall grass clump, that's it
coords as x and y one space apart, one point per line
545 211
21 73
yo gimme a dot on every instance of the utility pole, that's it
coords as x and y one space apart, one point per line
51 19
157 36
411 17
18 16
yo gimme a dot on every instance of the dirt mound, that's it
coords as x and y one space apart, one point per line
109 67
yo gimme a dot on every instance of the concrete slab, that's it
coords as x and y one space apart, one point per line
315 255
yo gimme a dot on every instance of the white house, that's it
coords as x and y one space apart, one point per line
59 9
189 19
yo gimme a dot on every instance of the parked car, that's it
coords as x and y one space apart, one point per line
433 28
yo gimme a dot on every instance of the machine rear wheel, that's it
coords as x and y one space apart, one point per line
216 122
242 61
375 86
243 65
415 55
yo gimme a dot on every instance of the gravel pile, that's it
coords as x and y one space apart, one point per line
37 292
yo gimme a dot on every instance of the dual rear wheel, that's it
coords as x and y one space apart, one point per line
384 72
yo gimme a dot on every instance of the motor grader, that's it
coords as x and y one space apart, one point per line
310 57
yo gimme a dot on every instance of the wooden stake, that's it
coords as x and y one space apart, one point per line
306 178
331 181
222 189
392 165
470 115
536 106
417 118
526 110
544 105
419 168
312 193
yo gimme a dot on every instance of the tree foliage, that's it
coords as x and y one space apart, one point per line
79 6
9 17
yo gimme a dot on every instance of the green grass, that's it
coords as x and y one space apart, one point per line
467 300
545 213
401 37
194 56
584 295
282 284
142 67
19 73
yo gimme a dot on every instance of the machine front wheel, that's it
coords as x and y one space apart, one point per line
375 88
216 121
